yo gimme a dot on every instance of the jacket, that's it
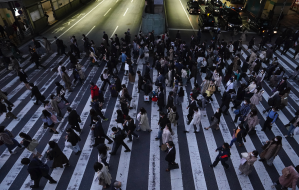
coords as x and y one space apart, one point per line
95 105
191 106
73 138
169 101
226 98
281 87
163 121
172 116
196 118
244 109
98 130
74 118
34 169
250 159
170 156
161 99
271 150
291 179
23 76
223 154
35 92
140 81
94 90
118 137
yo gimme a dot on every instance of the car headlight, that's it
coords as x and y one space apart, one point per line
215 28
275 32
216 10
207 28
241 26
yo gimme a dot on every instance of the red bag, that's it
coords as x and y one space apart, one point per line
154 99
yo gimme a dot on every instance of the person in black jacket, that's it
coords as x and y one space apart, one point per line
97 106
170 157
37 171
73 138
117 83
282 84
35 59
120 117
140 81
191 107
99 132
239 135
224 154
23 78
74 119
162 123
130 127
226 100
170 100
124 106
274 102
56 155
118 137
161 99
60 46
37 94
60 91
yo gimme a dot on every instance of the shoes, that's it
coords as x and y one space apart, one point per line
129 140
52 182
211 166
56 132
264 111
110 142
77 153
14 152
206 128
127 150
67 165
186 131
196 131
111 153
157 138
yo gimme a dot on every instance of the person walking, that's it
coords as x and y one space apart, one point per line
246 165
55 154
162 123
37 46
118 137
215 120
29 144
271 119
167 134
97 106
60 92
94 90
243 111
73 138
173 116
102 156
289 178
23 78
170 157
129 127
104 77
47 119
271 150
195 121
239 134
74 119
140 81
252 121
160 98
103 175
7 138
37 169
54 105
66 79
224 154
60 46
6 108
143 123
191 107
99 132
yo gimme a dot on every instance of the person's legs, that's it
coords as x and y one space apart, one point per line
106 137
101 115
225 165
236 117
291 129
63 98
126 146
36 182
134 134
232 142
115 147
216 161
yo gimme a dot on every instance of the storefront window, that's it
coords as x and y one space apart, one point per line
59 3
35 15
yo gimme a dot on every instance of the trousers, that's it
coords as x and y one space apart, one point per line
47 176
116 146
222 162
76 148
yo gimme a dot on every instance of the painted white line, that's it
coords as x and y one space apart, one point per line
126 11
154 160
114 32
78 21
87 149
175 175
219 172
107 12
90 30
186 14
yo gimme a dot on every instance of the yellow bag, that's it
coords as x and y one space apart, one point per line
208 93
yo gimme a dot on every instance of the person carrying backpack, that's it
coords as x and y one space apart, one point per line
118 136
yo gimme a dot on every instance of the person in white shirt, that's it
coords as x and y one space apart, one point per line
59 69
195 121
229 85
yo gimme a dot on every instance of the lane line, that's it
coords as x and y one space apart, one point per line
107 12
77 21
126 11
114 32
90 30
186 14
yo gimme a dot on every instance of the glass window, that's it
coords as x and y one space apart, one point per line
35 15
55 4
40 9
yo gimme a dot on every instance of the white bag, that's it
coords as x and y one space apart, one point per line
296 131
68 144
244 154
146 99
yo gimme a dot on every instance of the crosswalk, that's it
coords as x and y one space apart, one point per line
194 151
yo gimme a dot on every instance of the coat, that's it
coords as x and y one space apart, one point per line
35 92
170 157
253 57
166 136
98 130
271 150
246 168
73 138
54 104
66 79
252 121
34 169
94 90
169 102
256 98
74 118
291 180
58 157
23 76
144 124
172 116
161 99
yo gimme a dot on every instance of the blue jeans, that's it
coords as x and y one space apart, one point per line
159 133
232 141
291 130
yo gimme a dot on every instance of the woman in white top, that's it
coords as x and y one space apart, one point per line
250 89
103 174
144 124
229 85
260 77
167 134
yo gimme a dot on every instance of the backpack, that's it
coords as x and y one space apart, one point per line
271 101
177 116
102 78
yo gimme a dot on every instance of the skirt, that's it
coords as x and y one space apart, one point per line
131 78
245 168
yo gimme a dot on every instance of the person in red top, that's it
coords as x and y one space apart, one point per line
94 89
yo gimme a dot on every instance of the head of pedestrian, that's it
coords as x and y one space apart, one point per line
25 161
52 144
69 130
195 109
246 101
225 146
31 84
277 139
95 119
69 109
240 126
97 166
114 129
138 72
128 118
169 144
162 114
274 109
91 83
254 153
33 39
117 184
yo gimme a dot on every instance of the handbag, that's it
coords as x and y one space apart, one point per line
163 147
146 98
174 166
243 161
33 144
54 118
236 112
244 154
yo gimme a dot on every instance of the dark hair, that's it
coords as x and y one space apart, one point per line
171 93
241 126
92 83
114 129
97 166
195 108
254 112
279 139
142 110
128 117
46 113
25 161
170 143
255 153
95 118
174 108
2 129
69 109
52 144
226 145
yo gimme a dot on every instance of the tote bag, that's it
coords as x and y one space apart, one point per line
33 144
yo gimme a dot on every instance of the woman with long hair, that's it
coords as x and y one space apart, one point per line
103 174
144 124
46 117
271 150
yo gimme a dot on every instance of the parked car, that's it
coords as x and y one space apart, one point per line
206 22
230 19
260 25
193 7
215 6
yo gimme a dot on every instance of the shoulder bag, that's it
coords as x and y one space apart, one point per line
33 144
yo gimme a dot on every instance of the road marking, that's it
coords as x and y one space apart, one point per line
107 12
90 30
186 14
77 21
182 29
126 11
114 31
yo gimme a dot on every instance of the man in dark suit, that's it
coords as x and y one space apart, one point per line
118 137
147 68
140 81
37 171
96 105
226 100
74 119
162 123
117 83
60 46
99 132
161 99
191 107
170 100
130 127
224 154
170 157
35 92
